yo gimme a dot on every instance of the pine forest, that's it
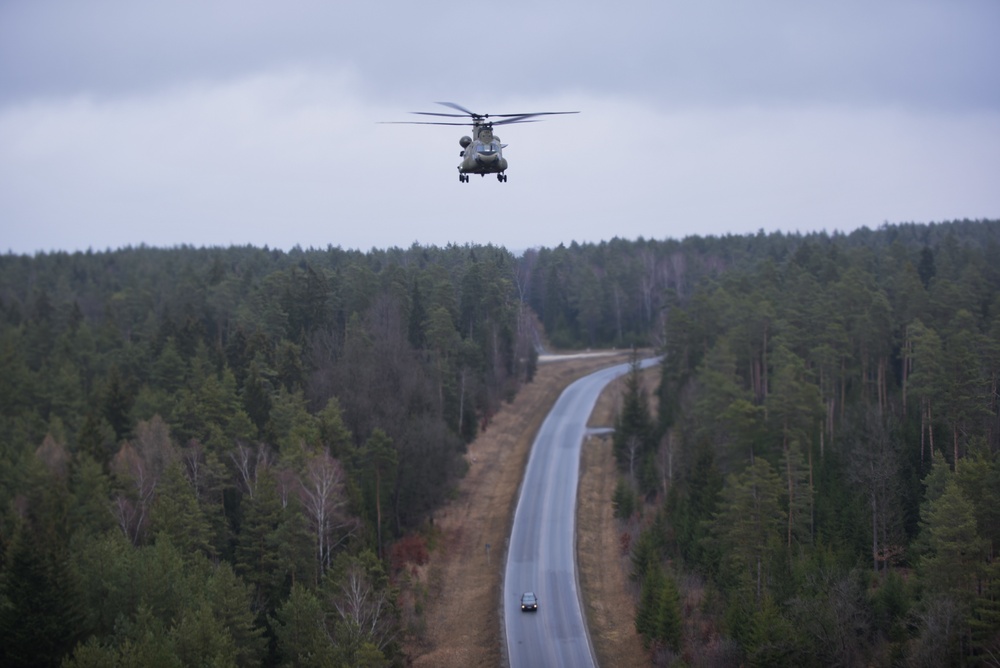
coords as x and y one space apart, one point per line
226 456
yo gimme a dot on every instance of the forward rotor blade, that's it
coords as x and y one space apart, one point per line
422 123
477 119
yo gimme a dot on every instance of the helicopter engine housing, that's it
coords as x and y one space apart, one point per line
465 141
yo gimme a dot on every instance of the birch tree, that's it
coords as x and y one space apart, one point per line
323 499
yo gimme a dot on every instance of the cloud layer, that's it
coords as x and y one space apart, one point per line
218 123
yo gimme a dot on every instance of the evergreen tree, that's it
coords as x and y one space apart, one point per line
648 613
117 405
624 501
748 524
304 640
230 601
633 437
380 462
773 641
669 624
177 514
38 609
955 555
259 547
984 622
200 638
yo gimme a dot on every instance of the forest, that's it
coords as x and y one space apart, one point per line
219 456
820 485
226 456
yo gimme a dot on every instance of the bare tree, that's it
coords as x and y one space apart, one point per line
874 467
632 445
665 459
287 483
321 490
140 464
364 610
249 461
940 623
54 456
131 510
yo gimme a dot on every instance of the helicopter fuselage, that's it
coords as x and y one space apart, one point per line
482 155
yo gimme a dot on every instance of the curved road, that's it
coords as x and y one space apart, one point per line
541 553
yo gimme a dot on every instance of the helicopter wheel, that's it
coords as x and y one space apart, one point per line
502 178
463 178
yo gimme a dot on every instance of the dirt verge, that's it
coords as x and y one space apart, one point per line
609 596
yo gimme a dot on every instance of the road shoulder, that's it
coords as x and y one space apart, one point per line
451 605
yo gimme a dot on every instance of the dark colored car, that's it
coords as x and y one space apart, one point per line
529 601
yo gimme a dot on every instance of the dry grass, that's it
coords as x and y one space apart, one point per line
608 594
452 605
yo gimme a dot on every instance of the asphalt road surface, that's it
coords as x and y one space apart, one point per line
541 553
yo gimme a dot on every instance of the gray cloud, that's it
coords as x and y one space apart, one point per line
236 122
907 52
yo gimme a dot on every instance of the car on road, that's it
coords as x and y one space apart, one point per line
529 601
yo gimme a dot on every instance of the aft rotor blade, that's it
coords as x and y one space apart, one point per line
535 113
511 121
458 107
434 113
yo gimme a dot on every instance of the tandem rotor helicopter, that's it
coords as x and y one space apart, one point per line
482 153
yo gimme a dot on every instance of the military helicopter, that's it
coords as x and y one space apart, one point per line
482 153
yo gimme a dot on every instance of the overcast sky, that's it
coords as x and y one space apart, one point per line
211 122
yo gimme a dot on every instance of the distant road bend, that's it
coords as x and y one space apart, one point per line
541 555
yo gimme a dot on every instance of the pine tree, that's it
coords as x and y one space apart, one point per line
117 404
37 621
669 624
955 550
623 500
303 639
177 514
230 602
380 463
258 549
201 639
648 613
633 424
984 622
749 522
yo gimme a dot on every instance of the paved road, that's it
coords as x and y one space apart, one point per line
541 554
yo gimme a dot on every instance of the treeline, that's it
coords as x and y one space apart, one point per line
821 483
209 456
620 292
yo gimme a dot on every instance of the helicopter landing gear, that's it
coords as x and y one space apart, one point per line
463 178
502 178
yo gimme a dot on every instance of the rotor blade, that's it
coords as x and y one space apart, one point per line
511 121
421 123
458 107
434 113
534 113
512 118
